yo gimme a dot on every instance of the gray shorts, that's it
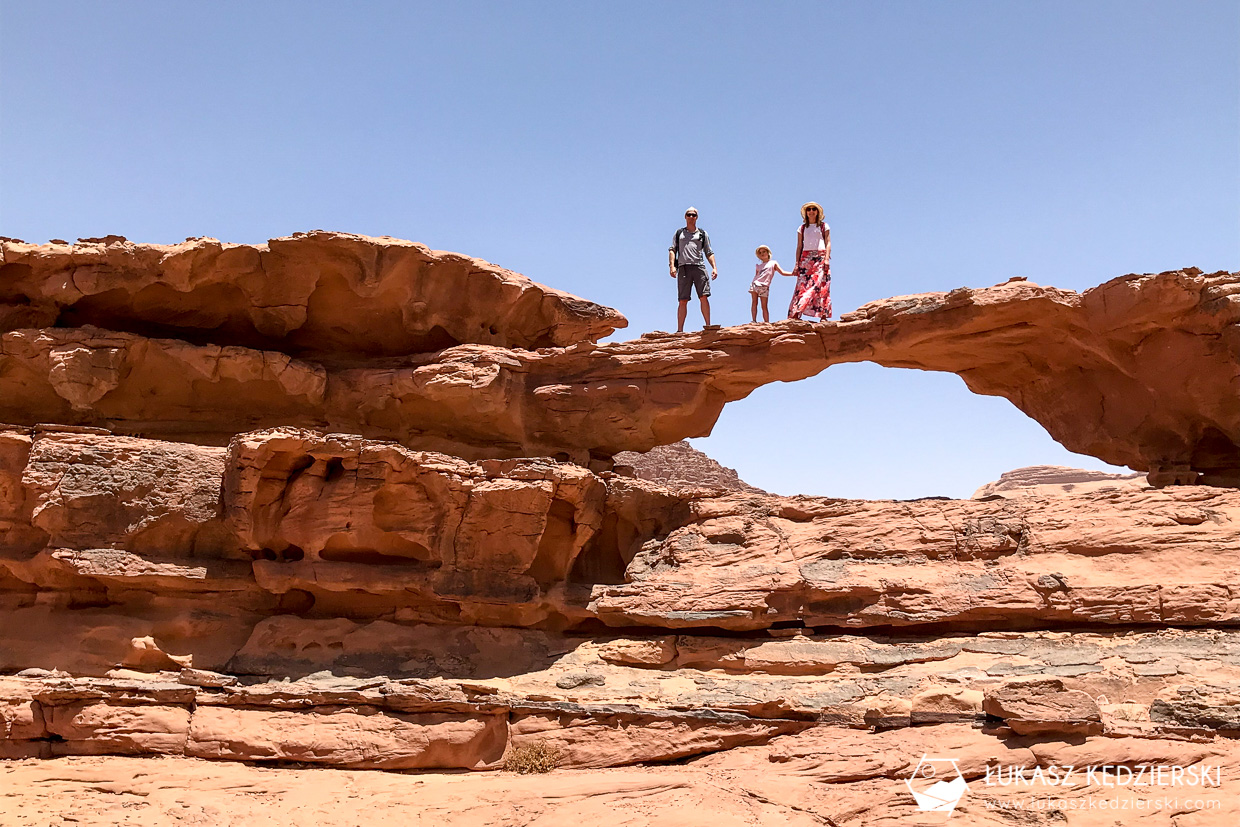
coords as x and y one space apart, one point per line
691 275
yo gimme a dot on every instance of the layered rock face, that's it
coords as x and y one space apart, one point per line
1142 371
435 613
328 294
680 464
296 594
1056 478
343 603
293 521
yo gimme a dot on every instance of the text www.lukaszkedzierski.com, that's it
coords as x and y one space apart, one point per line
1093 803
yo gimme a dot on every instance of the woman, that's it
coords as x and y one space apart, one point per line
812 295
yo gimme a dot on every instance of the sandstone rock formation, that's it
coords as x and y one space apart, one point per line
240 600
680 464
292 521
821 777
1046 479
1142 371
329 294
828 740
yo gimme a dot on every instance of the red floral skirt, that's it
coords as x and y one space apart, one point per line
812 296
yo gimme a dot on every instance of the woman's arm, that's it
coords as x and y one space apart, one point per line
826 234
800 244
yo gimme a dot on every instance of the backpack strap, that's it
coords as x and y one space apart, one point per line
697 233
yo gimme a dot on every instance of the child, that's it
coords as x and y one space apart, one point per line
761 287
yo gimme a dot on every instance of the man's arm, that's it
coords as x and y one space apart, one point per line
710 255
671 262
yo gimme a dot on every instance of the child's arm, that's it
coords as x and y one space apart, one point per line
782 271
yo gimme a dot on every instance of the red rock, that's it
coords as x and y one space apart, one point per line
145 654
1041 705
1160 401
418 610
358 737
571 692
301 293
89 728
284 644
593 741
329 507
785 657
1052 479
651 652
342 525
205 677
15 524
739 563
939 705
679 465
21 719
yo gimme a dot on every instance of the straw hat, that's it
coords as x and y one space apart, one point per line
761 247
805 207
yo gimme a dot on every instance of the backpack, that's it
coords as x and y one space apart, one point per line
676 241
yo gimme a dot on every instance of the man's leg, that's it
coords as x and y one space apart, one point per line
682 310
706 310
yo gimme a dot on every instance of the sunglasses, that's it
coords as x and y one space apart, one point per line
690 215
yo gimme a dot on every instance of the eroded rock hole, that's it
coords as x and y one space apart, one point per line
86 599
295 601
335 469
287 554
161 312
551 561
369 557
604 558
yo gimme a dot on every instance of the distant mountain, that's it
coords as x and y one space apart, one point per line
682 464
1050 479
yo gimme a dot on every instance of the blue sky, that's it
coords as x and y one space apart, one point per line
951 144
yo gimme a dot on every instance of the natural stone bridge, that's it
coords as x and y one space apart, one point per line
359 335
348 602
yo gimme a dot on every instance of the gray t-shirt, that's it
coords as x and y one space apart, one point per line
694 246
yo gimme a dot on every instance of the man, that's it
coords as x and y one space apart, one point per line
684 261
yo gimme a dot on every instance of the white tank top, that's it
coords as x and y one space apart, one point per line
813 238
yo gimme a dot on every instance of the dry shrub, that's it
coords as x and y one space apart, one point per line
536 757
